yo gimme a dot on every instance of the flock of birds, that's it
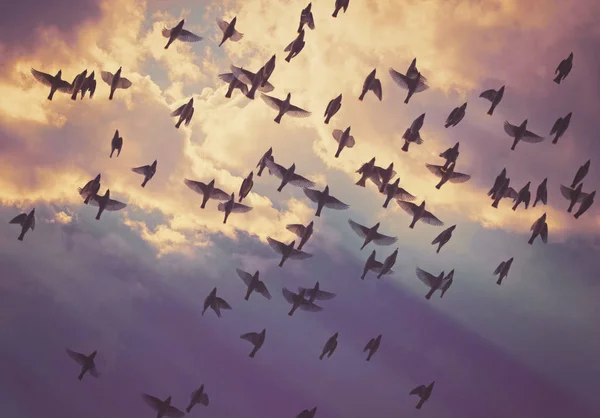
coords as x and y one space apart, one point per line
304 299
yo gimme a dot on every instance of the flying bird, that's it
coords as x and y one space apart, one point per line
433 282
371 264
447 282
371 84
253 81
257 339
246 186
287 251
208 191
413 71
541 194
302 232
563 69
450 155
520 133
163 408
456 115
90 189
89 84
77 84
382 176
262 163
56 83
310 413
371 234
340 4
586 203
267 70
423 392
288 175
388 263
560 127
412 134
344 140
215 303
448 174
497 183
253 283
581 173
332 108
229 31
324 200
306 18
116 144
574 196
524 196
539 227
198 397
86 362
115 81
502 270
443 238
394 191
231 206
178 33
372 346
297 300
419 214
106 203
233 83
330 346
503 192
284 107
366 171
494 96
315 293
185 113
415 84
295 47
147 171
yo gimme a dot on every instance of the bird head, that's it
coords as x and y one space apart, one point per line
192 101
310 225
326 189
251 175
316 286
107 194
213 292
97 178
293 166
232 196
154 163
93 354
422 205
288 97
464 106
168 401
211 183
264 331
335 335
543 217
339 98
545 180
571 56
579 188
452 228
181 23
592 195
233 21
377 225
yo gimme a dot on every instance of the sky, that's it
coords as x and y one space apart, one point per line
132 284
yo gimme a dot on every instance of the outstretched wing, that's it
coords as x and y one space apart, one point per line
166 33
236 36
459 178
204 399
272 102
251 337
532 138
278 246
187 36
311 307
152 401
178 111
489 95
123 83
244 76
222 25
196 186
334 203
297 112
419 390
407 207
376 88
437 170
404 195
430 219
509 128
45 79
544 233
289 296
78 357
360 230
499 268
381 239
262 289
245 276
297 229
220 303
399 78
240 208
219 194
276 169
312 194
427 278
19 219
322 294
555 126
107 77
511 193
173 412
141 170
300 181
299 255
421 87
113 205
227 77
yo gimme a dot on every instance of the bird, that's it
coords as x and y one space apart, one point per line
524 196
310 413
504 191
115 81
581 173
215 303
233 83
340 4
297 300
520 133
178 33
372 346
450 155
333 107
55 82
288 176
231 206
456 115
394 191
147 171
267 70
412 134
256 338
284 107
563 69
90 189
89 84
502 270
382 176
324 200
344 140
373 84
494 96
315 293
371 234
448 174
253 81
586 203
574 196
198 396
388 263
446 283
246 186
208 191
539 227
443 238
433 282
185 113
366 171
253 283
306 18
116 144
163 408
77 84
106 203
419 214
295 47
330 346
86 362
413 71
287 251
262 163
497 183
414 84
229 31
423 392
302 232
541 194
560 127
371 264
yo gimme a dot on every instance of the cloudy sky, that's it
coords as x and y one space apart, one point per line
132 284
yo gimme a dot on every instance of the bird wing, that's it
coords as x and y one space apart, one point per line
323 295
152 401
351 142
337 134
251 337
438 238
369 345
311 22
245 276
509 129
399 78
334 203
297 112
404 195
489 95
271 101
240 208
227 77
173 412
438 170
19 219
313 194
236 36
427 278
166 33
262 289
219 194
123 83
220 303
276 169
45 79
421 86
459 178
278 246
289 46
204 399
376 266
78 357
141 170
381 239
375 87
531 137
222 25
196 186
112 205
299 255
244 76
187 36
311 307
511 193
289 296
360 230
567 192
297 229
178 111
298 180
430 219
556 126
107 77
499 268
408 207
544 233
418 390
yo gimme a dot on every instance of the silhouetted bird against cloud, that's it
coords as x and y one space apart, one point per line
539 227
315 293
433 282
77 84
89 84
234 83
423 392
494 96
302 232
215 303
456 115
324 200
574 196
297 300
116 144
54 82
253 283
254 82
560 127
371 84
382 177
497 183
262 163
267 70
288 175
371 234
447 175
502 270
414 84
413 71
419 214
443 238
367 170
581 173
148 171
450 155
208 191
563 69
344 140
520 133
284 107
185 113
162 408
229 31
287 251
524 196
115 81
231 206
541 194
586 203
306 18
257 339
412 134
86 362
388 263
394 191
340 4
90 189
295 47
504 192
310 413
198 397
246 186
372 346
330 346
106 203
178 33
332 108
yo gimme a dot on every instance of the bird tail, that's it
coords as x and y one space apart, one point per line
111 153
491 111
420 404
51 95
252 354
406 100
555 140
318 212
327 120
577 215
438 186
362 96
495 204
98 216
189 408
499 282
278 118
81 375
21 236
110 96
144 183
385 204
530 242
405 146
321 356
281 263
558 79
337 154
335 13
428 295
